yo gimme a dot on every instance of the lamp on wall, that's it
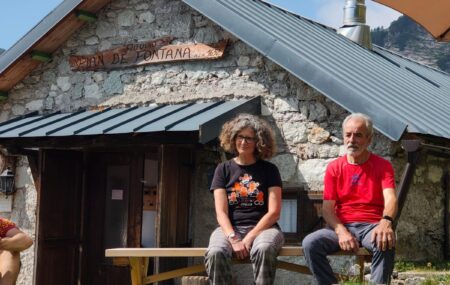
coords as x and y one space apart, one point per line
7 182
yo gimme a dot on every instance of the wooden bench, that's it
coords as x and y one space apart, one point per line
138 259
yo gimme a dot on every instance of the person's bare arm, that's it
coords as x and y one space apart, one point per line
269 219
346 240
383 234
221 206
15 240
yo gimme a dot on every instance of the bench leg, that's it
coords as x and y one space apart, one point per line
361 268
138 270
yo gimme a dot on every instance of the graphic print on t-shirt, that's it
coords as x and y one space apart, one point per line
355 179
245 193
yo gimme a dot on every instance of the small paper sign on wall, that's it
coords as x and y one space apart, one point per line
6 203
116 194
155 51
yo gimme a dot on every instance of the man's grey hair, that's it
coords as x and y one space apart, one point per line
367 120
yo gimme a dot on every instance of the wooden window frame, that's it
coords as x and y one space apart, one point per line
309 213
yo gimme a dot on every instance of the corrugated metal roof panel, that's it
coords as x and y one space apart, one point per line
397 93
180 117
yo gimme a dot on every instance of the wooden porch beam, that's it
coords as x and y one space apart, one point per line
412 148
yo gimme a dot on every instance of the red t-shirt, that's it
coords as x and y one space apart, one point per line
358 188
5 226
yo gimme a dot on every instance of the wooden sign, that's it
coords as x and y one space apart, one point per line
155 51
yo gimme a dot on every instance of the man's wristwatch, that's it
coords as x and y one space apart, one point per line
390 219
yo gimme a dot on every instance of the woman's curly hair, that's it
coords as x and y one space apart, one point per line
265 139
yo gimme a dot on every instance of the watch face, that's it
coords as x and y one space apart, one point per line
232 235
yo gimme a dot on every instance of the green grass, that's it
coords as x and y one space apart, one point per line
401 266
437 280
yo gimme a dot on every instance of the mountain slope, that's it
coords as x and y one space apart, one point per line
409 39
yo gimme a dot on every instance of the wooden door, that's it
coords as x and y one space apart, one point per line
175 182
113 213
59 218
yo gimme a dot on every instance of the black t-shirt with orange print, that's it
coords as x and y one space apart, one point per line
247 189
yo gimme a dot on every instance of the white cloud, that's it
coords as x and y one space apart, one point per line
331 13
378 15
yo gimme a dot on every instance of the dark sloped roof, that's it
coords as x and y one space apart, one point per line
186 117
397 93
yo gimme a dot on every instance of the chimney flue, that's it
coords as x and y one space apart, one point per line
355 27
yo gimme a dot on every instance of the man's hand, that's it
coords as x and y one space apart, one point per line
383 235
347 241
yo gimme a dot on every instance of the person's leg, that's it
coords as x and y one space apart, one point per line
218 258
382 261
316 247
263 255
9 267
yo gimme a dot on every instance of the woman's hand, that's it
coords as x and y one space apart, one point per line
239 249
248 241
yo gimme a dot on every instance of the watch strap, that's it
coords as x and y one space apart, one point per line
389 218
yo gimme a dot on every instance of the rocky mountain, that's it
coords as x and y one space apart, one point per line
409 39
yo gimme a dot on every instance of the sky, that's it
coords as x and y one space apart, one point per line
20 16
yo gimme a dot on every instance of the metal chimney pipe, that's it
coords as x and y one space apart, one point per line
355 27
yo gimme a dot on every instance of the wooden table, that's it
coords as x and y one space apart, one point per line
138 259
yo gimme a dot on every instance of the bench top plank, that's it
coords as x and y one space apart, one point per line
200 252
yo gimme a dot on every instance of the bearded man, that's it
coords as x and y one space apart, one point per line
359 206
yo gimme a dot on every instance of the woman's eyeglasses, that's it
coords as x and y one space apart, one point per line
240 138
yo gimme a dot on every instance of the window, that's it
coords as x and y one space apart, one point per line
301 213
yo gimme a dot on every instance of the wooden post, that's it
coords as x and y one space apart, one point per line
138 270
412 148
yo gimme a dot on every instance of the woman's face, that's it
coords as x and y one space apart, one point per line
246 142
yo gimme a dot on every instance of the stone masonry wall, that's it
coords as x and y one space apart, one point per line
420 230
306 123
24 215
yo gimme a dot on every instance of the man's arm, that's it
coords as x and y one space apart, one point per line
15 240
346 240
383 234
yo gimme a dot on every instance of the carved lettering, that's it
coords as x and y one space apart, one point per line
187 53
169 54
178 53
116 59
151 52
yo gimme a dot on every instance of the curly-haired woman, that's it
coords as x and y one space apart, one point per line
247 199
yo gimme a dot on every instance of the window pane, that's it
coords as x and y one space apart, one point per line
288 219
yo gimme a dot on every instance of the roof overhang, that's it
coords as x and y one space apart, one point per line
160 123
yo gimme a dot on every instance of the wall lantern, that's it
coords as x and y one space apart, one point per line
7 182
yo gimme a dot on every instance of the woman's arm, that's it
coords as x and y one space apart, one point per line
269 219
221 206
15 240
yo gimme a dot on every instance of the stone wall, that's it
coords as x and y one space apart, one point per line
24 215
421 227
307 124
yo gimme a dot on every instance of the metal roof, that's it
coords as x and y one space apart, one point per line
206 118
397 93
